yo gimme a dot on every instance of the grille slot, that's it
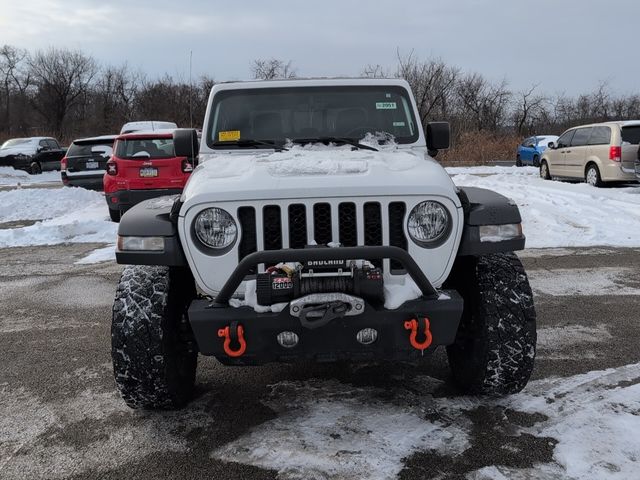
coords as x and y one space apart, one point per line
322 223
248 241
272 227
397 238
347 224
297 226
373 227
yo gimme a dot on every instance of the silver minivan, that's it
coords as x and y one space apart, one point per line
596 153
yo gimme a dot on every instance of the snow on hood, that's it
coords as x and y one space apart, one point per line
25 149
312 170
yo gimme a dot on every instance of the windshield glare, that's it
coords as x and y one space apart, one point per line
143 148
308 113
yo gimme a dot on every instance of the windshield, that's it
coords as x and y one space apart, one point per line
15 142
308 113
143 148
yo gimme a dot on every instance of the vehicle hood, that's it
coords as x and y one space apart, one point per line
17 150
316 171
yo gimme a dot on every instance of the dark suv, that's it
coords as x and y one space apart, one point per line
33 155
86 162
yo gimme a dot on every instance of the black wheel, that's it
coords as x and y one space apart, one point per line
115 215
536 161
518 161
152 347
544 171
496 341
592 176
35 168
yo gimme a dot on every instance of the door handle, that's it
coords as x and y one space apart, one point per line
567 151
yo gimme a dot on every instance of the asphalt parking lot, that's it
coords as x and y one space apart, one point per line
60 416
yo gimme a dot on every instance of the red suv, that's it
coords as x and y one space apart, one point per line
143 166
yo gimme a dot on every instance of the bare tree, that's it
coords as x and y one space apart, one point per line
62 78
14 79
272 69
483 105
376 71
433 83
529 109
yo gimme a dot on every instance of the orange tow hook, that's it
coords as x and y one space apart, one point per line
413 326
227 333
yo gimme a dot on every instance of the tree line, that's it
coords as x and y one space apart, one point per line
67 94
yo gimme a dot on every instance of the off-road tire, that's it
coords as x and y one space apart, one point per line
495 345
545 174
152 348
115 215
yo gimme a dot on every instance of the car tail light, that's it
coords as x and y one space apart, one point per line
615 154
63 164
112 168
187 166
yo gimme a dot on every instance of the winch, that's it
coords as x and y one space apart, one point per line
285 282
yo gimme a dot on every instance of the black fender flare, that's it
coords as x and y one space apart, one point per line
156 217
486 207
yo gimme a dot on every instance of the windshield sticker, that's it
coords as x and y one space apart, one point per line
398 124
386 105
229 136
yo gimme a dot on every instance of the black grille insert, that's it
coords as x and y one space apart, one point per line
322 223
297 226
397 238
272 227
347 224
248 240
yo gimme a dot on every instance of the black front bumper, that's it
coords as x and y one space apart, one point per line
333 342
337 339
128 198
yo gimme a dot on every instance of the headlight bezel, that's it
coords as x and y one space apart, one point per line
442 237
202 244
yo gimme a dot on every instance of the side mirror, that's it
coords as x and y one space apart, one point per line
185 143
438 136
551 145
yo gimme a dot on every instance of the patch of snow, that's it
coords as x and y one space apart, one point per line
561 214
399 290
104 254
325 429
583 281
10 176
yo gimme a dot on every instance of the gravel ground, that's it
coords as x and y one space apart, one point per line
60 416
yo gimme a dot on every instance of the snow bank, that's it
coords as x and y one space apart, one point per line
11 176
560 214
68 215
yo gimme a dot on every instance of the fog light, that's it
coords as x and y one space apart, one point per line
367 336
288 339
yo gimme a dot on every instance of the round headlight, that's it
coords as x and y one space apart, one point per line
428 223
215 228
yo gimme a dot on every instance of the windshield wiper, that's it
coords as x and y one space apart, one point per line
348 141
249 142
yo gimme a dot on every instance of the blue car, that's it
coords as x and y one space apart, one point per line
530 150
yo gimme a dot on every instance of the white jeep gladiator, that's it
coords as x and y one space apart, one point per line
317 226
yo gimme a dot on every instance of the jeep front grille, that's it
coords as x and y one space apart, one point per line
297 225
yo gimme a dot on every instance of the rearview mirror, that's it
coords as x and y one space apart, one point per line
438 136
185 143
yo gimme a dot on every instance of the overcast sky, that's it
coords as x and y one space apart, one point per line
564 45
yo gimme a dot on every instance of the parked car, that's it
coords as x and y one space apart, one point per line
530 150
34 155
147 126
596 153
143 166
259 209
85 163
